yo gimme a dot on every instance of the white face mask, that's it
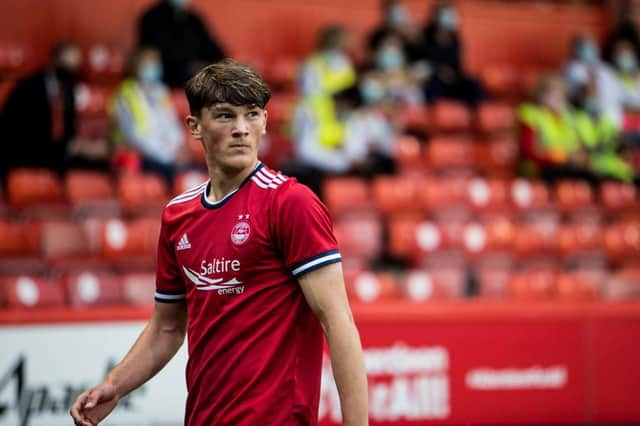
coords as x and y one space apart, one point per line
398 15
626 62
448 19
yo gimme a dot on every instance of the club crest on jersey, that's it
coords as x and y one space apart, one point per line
240 233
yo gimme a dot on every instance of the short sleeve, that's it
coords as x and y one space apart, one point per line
304 232
169 283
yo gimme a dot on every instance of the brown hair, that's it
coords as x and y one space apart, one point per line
227 81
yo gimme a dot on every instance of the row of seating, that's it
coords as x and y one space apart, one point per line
85 289
419 193
42 193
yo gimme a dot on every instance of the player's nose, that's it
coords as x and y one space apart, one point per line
241 127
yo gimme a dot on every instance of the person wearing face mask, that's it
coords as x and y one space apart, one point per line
395 75
39 117
442 50
396 19
599 137
609 93
549 145
182 38
145 119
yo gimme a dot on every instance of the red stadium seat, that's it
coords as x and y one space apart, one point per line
497 157
574 196
533 285
444 153
105 63
89 288
282 72
14 57
31 292
530 195
494 117
443 193
496 234
138 288
359 235
450 116
37 189
417 119
276 150
488 195
91 194
142 193
402 234
501 80
120 240
581 284
395 193
280 109
575 239
623 284
188 180
66 246
619 197
93 100
622 241
20 248
537 236
343 194
408 155
493 277
434 284
369 287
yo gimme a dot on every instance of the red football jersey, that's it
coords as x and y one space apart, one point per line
255 346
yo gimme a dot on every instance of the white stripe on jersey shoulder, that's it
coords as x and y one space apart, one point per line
267 180
189 194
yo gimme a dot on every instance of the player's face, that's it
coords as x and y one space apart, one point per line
230 134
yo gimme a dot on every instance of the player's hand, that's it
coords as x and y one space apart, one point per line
94 404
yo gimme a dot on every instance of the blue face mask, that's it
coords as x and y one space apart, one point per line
389 58
151 73
398 15
448 19
336 59
588 52
626 62
372 91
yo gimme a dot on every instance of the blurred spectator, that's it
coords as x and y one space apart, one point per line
599 136
182 38
401 82
329 69
145 118
625 30
39 117
396 20
442 49
549 147
317 132
585 66
370 128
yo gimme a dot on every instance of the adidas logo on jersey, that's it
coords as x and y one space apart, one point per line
184 243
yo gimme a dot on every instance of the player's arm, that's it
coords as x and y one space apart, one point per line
156 345
324 290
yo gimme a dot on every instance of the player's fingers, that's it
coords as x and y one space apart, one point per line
76 410
92 399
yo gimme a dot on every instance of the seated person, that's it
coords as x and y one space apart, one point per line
599 136
442 49
396 20
549 147
145 119
401 82
39 120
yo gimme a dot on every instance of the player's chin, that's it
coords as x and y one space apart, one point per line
240 159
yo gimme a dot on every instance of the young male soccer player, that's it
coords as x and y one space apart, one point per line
249 266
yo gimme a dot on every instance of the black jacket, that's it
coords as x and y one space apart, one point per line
26 125
181 37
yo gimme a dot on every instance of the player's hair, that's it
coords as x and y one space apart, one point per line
227 81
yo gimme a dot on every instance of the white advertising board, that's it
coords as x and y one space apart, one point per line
43 368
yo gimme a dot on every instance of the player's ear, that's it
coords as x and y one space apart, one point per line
264 127
194 126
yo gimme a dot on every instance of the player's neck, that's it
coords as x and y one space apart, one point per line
225 181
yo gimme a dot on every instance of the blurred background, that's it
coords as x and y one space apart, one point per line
479 158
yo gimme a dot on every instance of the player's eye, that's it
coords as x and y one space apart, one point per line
224 116
253 114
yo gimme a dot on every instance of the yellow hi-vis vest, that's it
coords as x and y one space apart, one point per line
332 80
130 94
600 136
554 131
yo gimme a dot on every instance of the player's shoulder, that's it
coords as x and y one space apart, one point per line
185 201
278 185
